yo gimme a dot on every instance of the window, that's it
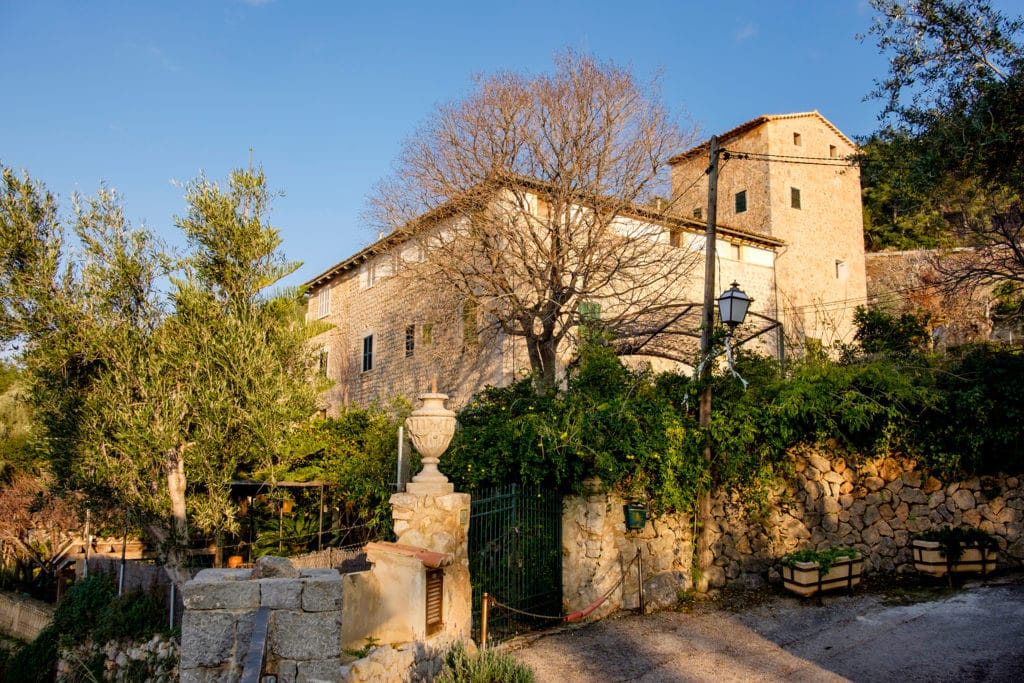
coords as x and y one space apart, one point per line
832 151
796 139
741 201
321 362
734 252
427 334
323 302
590 311
469 323
698 213
794 197
840 270
367 275
368 353
410 340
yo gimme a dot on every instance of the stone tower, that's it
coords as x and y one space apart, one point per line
788 177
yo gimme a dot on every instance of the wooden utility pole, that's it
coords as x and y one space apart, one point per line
705 557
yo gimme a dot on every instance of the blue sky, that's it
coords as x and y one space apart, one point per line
143 95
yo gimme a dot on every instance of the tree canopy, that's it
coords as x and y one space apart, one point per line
524 199
154 380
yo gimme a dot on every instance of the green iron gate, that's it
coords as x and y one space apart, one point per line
515 555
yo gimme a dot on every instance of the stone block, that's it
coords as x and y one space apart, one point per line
322 594
207 639
819 463
305 635
221 595
207 675
913 496
963 499
271 567
912 478
318 670
874 483
280 593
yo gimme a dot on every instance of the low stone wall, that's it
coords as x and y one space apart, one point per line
23 618
876 507
154 661
304 636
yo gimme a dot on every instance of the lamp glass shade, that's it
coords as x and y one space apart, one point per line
733 305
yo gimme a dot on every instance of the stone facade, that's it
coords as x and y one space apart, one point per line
415 337
797 187
876 507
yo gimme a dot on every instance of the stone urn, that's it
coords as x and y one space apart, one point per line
431 427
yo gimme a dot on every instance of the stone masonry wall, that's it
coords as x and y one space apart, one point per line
876 507
304 635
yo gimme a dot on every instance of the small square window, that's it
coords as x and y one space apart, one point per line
698 213
410 340
368 353
734 252
832 151
796 139
321 362
741 201
840 270
427 334
794 197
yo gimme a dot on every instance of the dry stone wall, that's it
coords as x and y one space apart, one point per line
876 506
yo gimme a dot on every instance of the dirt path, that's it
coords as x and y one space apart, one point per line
973 634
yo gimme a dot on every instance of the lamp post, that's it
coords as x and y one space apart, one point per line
732 310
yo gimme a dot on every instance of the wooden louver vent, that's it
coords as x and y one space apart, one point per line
435 600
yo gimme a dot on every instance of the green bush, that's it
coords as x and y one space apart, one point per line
486 666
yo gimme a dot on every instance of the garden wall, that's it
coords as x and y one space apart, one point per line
23 618
876 507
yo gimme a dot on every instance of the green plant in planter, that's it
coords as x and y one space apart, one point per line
955 540
825 558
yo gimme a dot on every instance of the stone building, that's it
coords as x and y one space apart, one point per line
796 247
788 177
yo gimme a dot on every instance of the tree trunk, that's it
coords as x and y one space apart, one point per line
174 540
543 361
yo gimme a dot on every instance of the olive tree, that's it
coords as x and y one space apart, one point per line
154 380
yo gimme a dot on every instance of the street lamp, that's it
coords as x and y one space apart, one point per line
732 306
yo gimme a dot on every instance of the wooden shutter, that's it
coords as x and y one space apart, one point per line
435 600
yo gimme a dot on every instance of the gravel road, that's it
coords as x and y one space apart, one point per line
975 633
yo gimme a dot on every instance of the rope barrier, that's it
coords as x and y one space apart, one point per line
491 601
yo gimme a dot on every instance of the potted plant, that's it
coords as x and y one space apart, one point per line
951 550
806 572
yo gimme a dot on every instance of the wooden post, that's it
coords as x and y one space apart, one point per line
483 621
705 557
640 577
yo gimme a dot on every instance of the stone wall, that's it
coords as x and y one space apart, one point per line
876 507
304 635
23 618
153 661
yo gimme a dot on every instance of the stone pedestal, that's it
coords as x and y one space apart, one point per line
440 523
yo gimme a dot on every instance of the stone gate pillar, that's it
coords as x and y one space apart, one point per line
431 515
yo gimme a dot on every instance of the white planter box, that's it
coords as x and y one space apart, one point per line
930 558
804 579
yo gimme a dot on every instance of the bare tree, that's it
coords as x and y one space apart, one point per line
534 199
